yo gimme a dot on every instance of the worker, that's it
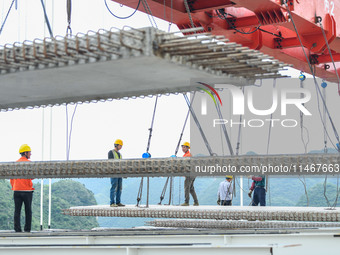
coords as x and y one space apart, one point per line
23 193
189 180
225 192
116 183
258 186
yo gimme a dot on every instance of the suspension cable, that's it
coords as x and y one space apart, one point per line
184 125
171 199
239 137
151 127
69 134
305 188
179 190
4 22
302 78
46 19
149 13
268 143
67 154
337 193
218 109
69 13
329 51
198 125
140 192
164 190
324 85
243 190
222 146
325 190
147 155
171 16
237 152
71 128
270 126
189 13
175 155
314 78
302 126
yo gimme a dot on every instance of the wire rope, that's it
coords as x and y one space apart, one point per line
46 19
4 22
118 17
198 125
314 78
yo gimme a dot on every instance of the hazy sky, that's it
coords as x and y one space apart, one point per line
96 126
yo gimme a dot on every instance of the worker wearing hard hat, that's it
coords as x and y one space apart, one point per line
189 181
116 183
225 192
258 186
23 193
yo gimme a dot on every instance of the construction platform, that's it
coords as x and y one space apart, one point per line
286 165
155 241
127 63
251 213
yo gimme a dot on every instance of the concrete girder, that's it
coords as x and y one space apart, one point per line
239 224
211 212
99 66
280 165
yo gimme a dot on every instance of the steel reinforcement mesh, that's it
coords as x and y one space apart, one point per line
238 224
286 165
311 214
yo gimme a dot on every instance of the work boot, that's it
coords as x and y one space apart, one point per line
196 204
185 204
120 204
113 205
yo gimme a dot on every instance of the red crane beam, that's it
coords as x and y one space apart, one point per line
264 25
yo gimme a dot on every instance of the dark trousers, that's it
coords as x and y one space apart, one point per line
259 196
116 190
26 198
189 188
225 202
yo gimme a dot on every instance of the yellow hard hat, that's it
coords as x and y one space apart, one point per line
24 148
186 144
228 177
119 142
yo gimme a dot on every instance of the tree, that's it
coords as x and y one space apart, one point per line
316 196
65 194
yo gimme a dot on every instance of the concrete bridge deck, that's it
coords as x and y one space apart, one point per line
115 64
252 213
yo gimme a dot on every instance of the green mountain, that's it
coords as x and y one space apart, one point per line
288 191
319 194
65 193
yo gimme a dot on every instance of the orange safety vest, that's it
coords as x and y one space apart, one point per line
22 184
187 154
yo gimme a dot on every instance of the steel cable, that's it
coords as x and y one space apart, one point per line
9 10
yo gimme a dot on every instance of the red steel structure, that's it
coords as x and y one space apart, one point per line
265 25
